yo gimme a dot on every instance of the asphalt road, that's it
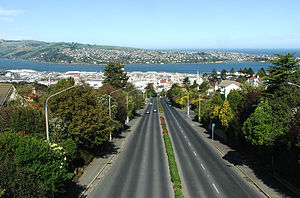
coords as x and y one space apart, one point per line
204 173
141 170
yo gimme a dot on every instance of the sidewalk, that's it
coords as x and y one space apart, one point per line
267 184
99 164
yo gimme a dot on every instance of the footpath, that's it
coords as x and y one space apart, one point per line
267 184
100 165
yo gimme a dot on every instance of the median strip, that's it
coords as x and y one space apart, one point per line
175 178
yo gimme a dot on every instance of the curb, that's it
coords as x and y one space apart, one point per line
239 168
83 193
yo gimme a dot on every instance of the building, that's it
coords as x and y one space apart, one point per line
226 86
6 93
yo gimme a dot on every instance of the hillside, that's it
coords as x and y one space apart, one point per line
57 52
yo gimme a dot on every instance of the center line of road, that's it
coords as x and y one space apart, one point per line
195 153
216 188
202 166
189 143
185 137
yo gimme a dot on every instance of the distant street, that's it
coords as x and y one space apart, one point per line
141 170
204 173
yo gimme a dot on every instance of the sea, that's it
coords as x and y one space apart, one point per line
6 64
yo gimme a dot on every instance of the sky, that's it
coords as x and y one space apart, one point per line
155 24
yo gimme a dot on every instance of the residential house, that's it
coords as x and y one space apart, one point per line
6 93
225 86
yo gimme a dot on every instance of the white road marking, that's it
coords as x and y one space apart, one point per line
216 188
195 153
185 137
202 166
189 143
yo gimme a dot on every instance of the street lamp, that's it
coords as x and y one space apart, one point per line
109 108
289 83
46 109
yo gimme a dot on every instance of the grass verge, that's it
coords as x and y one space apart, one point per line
175 178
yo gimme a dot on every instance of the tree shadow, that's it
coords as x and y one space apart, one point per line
73 190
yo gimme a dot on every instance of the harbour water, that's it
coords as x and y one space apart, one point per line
180 68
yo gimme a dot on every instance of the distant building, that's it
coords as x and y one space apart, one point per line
256 80
226 86
6 93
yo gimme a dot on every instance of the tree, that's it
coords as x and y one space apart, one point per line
62 84
46 164
150 91
88 122
28 120
284 66
232 71
213 75
186 81
258 128
234 98
225 114
261 73
250 72
223 74
115 75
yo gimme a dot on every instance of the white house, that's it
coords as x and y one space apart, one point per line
226 86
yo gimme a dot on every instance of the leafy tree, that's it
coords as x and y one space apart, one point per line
19 182
225 114
115 75
88 123
5 114
28 120
234 98
186 81
241 79
150 90
258 128
204 87
38 157
62 84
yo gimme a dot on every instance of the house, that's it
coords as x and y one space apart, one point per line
6 93
256 80
226 86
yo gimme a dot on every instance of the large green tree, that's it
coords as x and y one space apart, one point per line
115 75
44 163
88 122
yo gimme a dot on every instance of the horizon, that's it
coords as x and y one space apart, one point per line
156 25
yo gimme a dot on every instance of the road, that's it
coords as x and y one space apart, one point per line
141 170
204 173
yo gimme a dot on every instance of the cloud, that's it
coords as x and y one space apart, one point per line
6 15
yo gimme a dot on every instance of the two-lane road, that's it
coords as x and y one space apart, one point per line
141 170
204 173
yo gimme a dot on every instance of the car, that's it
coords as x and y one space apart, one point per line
154 110
147 112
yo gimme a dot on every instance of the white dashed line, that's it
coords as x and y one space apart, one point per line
202 167
189 143
195 153
216 188
185 137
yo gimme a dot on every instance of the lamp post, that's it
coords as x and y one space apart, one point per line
109 108
46 109
289 83
188 102
199 108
